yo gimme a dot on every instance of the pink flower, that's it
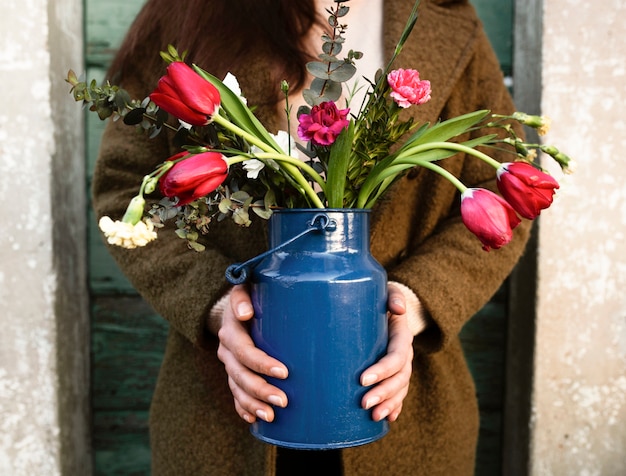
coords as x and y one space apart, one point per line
407 88
324 123
194 177
186 95
489 217
526 188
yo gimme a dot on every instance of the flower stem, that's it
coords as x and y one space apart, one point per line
288 166
298 163
287 160
444 173
405 154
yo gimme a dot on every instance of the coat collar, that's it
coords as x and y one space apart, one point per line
439 47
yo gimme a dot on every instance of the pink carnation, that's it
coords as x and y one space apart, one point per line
323 124
407 88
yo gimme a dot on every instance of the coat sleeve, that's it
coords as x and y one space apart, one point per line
448 270
180 284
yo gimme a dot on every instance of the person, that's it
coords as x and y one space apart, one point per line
212 382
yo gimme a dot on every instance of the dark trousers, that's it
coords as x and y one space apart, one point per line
296 462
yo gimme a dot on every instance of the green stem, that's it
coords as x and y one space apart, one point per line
226 124
281 158
293 171
298 163
409 156
443 172
402 156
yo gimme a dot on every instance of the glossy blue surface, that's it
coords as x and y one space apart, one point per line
320 308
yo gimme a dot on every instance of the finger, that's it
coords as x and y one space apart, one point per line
388 389
399 352
248 407
243 413
252 391
244 354
235 339
241 303
390 404
396 301
393 416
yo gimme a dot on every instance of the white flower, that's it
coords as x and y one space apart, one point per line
230 81
284 141
253 167
126 235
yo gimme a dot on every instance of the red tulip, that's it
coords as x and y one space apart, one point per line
488 216
526 188
194 177
186 95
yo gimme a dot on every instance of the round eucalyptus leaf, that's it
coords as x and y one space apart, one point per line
134 116
343 72
318 69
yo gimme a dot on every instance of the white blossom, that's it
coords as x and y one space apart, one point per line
230 81
253 167
284 141
126 235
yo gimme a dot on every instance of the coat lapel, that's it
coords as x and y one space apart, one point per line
439 47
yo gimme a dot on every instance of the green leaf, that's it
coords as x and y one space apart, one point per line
134 116
225 205
446 130
237 111
338 167
343 72
240 196
332 47
318 69
313 95
342 11
194 245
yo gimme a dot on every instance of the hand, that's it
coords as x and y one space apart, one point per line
245 363
392 373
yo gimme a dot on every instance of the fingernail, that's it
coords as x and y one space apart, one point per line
262 415
244 309
383 414
368 379
398 302
278 372
247 418
371 402
276 400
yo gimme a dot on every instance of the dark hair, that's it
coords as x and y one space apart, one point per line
219 36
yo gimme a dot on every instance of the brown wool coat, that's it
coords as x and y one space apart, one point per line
417 235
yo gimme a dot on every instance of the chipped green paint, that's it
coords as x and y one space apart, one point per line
125 329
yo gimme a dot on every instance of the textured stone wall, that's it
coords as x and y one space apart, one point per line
43 341
579 422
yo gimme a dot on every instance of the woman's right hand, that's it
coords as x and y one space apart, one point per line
246 364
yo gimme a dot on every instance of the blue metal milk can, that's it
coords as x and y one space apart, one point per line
320 302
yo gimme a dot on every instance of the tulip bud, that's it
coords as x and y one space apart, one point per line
488 216
194 177
186 95
134 211
526 188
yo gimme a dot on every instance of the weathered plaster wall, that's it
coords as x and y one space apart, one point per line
579 422
43 342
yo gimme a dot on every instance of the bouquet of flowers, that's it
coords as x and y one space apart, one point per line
230 165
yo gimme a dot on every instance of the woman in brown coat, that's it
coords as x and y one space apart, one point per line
417 235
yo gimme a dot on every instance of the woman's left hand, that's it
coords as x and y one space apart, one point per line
390 376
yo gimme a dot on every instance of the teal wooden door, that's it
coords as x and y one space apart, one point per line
128 337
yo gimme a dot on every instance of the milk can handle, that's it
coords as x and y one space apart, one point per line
238 273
